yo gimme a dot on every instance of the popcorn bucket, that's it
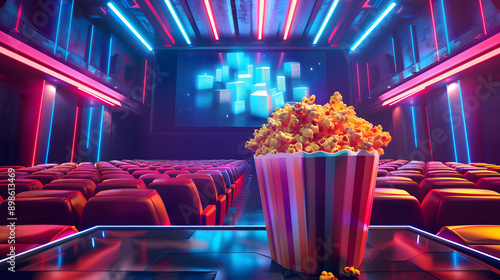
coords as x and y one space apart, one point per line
317 207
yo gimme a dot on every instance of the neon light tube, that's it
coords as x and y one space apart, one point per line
359 84
50 130
413 45
58 24
94 93
157 16
109 54
69 29
327 18
211 18
261 13
38 124
174 15
452 128
394 53
434 28
375 24
18 20
89 126
100 135
74 134
127 23
91 42
289 18
144 85
414 125
481 9
429 131
445 28
465 124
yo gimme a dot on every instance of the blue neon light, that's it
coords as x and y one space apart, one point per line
394 52
109 53
69 29
174 15
328 16
465 124
91 41
452 129
377 22
413 45
100 135
445 28
50 131
88 130
127 23
58 23
414 125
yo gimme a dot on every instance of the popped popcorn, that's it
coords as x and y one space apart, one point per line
327 276
310 128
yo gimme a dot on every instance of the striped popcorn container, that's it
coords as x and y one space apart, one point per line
317 207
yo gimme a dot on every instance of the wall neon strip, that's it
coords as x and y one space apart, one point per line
465 124
89 126
394 53
368 80
69 29
413 45
145 78
452 128
325 21
109 53
359 83
130 27
446 28
177 21
58 24
289 18
429 131
74 134
19 15
90 45
100 135
434 28
38 124
50 130
158 18
481 9
441 77
211 18
414 125
261 13
375 24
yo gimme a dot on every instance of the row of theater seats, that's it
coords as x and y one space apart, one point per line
123 193
439 197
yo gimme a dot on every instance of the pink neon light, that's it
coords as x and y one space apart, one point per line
61 77
144 86
19 15
482 17
289 19
429 131
74 134
359 84
221 59
368 79
260 27
281 60
38 125
211 18
157 16
434 28
441 77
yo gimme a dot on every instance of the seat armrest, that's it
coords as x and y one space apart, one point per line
208 216
229 198
221 208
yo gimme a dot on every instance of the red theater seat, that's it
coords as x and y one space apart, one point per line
490 183
174 173
125 207
139 173
89 176
208 194
162 170
401 183
429 184
53 207
464 169
192 169
395 207
112 184
475 175
43 178
183 203
415 176
84 186
179 167
452 207
149 178
484 238
17 175
21 185
220 185
419 169
443 173
382 173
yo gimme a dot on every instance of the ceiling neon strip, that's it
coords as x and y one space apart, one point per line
261 13
325 21
177 21
373 26
289 18
211 18
127 23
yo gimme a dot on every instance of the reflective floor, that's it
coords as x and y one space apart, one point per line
233 253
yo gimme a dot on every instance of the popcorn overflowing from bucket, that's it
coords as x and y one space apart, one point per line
311 128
